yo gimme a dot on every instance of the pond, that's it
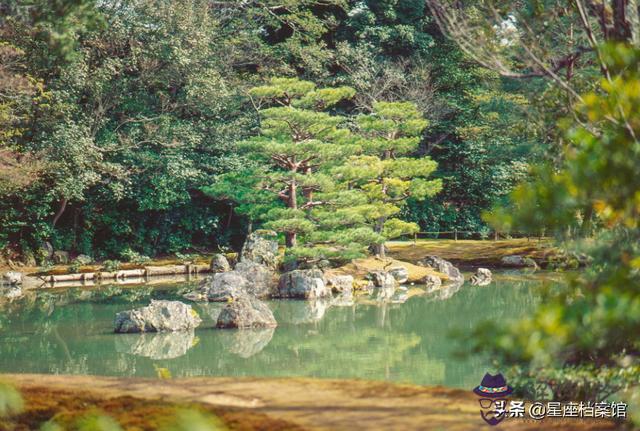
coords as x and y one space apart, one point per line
70 332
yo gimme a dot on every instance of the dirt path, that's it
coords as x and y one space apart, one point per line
312 404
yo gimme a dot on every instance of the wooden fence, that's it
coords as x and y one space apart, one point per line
467 234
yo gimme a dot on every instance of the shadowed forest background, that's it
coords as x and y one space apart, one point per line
117 117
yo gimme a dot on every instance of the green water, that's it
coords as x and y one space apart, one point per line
71 332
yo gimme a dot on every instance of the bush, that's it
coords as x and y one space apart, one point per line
134 257
111 265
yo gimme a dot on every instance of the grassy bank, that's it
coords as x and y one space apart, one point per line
264 404
471 252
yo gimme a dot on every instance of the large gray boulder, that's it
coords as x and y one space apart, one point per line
400 273
159 316
261 247
246 312
482 277
166 345
443 266
261 279
517 261
12 278
61 257
225 286
431 282
303 284
219 263
340 283
383 279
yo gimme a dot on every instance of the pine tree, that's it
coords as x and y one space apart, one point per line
298 140
382 175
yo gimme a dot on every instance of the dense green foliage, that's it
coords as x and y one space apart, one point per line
336 182
115 117
590 330
582 341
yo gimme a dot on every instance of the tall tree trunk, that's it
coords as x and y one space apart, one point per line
379 248
63 206
621 27
291 237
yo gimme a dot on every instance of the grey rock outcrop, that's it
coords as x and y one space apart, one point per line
261 279
225 286
400 273
383 279
431 282
443 266
61 257
246 312
261 247
482 277
517 261
159 316
12 278
303 284
219 263
340 283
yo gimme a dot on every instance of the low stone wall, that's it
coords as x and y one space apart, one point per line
139 275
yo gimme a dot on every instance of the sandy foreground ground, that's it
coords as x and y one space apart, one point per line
312 404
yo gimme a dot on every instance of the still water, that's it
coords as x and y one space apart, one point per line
70 332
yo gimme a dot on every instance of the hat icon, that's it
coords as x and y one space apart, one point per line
493 387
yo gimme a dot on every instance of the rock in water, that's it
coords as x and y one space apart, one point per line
517 261
303 284
432 282
340 283
159 316
261 247
246 312
225 286
13 278
443 266
400 273
383 279
482 277
260 278
219 263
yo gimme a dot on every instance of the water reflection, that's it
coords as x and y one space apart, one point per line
301 312
246 342
407 338
167 345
